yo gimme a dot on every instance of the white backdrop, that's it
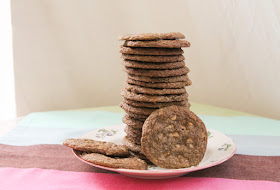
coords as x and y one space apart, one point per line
67 56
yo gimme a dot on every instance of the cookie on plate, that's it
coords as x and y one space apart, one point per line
174 137
131 145
154 104
89 145
126 163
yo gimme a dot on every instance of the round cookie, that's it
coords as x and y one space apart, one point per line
132 122
158 44
133 132
153 91
136 116
126 163
131 146
155 104
154 58
137 110
151 65
153 98
182 78
174 137
151 51
159 84
134 139
153 36
157 73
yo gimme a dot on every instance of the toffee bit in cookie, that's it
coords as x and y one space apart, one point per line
89 145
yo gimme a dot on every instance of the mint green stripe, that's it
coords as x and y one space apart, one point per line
71 119
243 125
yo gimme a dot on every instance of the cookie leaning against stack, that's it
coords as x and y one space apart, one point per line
156 78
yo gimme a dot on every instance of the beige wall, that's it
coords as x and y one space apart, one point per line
66 52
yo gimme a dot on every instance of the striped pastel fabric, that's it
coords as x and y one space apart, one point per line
32 155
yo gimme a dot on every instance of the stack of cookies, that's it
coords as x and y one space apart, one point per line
156 78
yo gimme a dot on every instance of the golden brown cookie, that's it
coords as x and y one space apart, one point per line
89 145
153 91
131 145
151 51
153 98
157 73
182 78
159 84
126 163
132 122
158 43
174 137
154 58
153 36
136 110
155 104
151 65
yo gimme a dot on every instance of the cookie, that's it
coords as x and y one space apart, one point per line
153 91
159 84
154 58
126 163
151 65
182 78
157 73
158 44
151 51
153 98
153 36
136 116
137 110
89 145
133 132
132 122
134 139
174 137
141 156
155 104
131 146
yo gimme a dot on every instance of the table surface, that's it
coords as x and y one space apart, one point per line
33 156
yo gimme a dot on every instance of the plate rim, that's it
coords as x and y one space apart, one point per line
168 171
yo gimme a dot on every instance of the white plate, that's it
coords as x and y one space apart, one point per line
219 149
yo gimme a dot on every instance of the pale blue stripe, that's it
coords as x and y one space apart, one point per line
257 145
23 136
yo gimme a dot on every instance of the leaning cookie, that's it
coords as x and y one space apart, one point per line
174 137
89 145
126 163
